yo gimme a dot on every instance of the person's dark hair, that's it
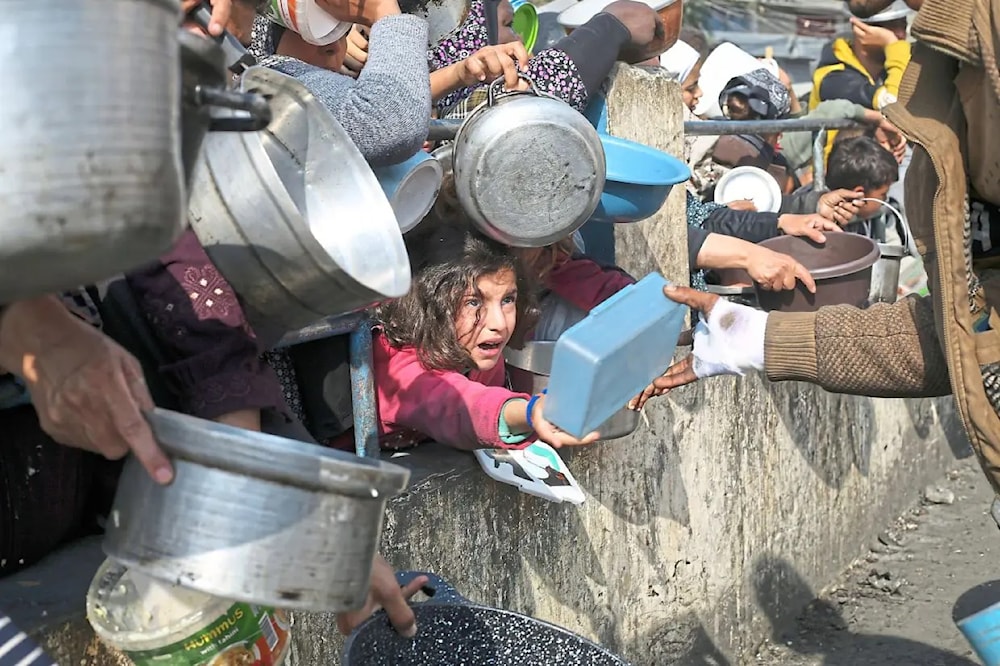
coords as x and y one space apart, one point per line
860 162
447 257
277 32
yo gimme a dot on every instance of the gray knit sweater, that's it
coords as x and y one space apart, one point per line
387 110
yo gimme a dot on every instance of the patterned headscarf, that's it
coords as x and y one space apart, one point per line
765 93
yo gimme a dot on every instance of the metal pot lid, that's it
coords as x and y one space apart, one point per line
276 459
535 357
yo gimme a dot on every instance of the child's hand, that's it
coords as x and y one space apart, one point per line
872 36
840 206
550 433
492 62
357 51
385 593
811 226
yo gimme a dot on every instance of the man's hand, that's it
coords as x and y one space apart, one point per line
385 593
649 38
89 392
728 340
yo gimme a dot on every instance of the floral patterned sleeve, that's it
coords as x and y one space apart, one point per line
571 70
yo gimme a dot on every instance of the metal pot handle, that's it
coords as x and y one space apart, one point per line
908 241
253 103
440 590
496 90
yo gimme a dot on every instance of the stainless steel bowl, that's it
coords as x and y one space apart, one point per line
293 217
253 517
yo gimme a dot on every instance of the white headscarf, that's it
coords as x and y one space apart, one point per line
679 60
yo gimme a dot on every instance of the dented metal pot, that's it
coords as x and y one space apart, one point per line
253 517
519 202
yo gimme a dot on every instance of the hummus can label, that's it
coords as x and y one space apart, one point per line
244 636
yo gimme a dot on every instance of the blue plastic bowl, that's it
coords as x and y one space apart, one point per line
639 178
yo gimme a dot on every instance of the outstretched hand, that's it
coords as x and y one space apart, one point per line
728 340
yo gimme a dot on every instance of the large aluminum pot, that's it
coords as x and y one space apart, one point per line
293 217
253 517
529 367
521 202
92 181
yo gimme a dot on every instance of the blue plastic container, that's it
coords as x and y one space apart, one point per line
597 113
639 178
982 630
608 358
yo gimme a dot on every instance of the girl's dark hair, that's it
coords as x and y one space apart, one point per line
860 162
447 258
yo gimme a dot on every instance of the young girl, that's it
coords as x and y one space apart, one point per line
438 351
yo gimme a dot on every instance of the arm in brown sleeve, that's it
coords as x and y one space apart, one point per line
889 351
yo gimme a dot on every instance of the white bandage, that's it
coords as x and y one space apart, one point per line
730 342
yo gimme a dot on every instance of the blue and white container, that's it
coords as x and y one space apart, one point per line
607 359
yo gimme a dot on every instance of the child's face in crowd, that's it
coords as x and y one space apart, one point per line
487 316
690 91
505 19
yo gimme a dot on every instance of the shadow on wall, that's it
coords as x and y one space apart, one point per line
832 432
925 412
782 593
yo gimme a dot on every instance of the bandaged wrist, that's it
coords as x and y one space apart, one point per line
730 341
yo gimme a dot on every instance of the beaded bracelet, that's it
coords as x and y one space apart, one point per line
531 405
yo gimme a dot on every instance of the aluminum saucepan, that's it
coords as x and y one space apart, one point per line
253 517
92 182
529 170
293 216
453 630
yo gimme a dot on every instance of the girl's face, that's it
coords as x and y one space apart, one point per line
690 91
505 20
486 318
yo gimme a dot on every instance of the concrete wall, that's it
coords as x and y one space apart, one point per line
713 524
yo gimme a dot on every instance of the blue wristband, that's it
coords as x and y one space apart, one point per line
531 405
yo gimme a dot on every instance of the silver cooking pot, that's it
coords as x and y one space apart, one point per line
253 517
520 202
92 182
293 216
530 366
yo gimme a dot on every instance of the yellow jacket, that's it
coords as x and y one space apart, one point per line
840 75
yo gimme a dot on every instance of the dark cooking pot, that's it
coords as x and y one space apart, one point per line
453 630
841 267
204 87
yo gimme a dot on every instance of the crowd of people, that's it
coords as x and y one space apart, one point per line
76 384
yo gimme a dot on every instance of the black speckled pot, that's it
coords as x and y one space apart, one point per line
452 630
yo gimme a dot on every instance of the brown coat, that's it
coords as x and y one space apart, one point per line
949 109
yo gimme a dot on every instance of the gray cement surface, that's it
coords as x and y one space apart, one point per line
896 604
